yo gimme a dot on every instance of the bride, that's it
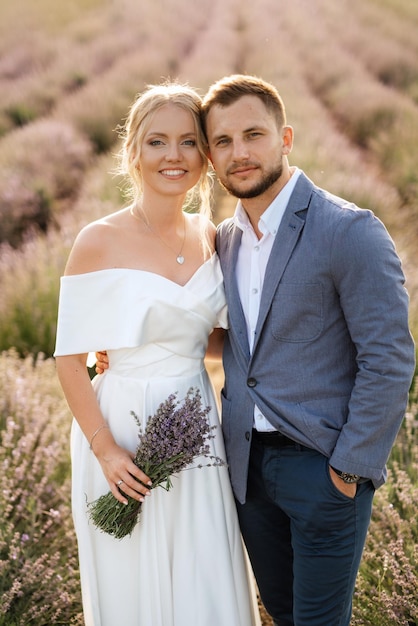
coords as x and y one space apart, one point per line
145 284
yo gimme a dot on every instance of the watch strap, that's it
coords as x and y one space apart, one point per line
347 477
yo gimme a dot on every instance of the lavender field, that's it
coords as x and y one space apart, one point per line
348 73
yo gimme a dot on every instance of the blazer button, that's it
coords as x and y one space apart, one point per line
251 382
247 436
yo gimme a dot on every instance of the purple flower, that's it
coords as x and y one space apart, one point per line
174 437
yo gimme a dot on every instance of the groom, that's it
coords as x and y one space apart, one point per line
318 359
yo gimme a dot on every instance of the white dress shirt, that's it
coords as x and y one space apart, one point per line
252 261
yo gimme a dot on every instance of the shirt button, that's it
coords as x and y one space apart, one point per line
259 416
251 382
254 290
257 248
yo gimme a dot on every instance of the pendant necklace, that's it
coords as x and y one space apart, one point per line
138 215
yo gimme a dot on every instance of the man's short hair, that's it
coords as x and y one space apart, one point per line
229 89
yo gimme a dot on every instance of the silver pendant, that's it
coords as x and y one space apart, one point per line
180 259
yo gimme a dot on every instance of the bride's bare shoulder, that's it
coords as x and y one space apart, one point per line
93 244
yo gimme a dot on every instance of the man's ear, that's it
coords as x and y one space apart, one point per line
287 136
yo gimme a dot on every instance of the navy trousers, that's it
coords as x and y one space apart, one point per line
304 537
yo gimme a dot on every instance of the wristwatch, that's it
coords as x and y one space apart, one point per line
347 478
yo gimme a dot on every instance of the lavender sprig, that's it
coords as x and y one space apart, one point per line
174 436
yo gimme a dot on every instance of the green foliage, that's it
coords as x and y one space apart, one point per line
400 163
77 80
30 275
21 114
401 75
101 134
388 580
29 283
38 553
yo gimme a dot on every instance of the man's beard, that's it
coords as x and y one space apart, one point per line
259 188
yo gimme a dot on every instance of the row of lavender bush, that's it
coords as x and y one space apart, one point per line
67 77
38 559
354 105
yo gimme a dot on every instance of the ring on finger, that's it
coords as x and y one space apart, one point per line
119 483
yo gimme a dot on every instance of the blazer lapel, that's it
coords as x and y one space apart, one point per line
286 239
238 326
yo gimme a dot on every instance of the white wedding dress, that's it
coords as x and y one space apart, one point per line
184 564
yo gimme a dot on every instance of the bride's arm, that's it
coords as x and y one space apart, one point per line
116 462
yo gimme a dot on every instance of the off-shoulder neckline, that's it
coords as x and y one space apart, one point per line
133 270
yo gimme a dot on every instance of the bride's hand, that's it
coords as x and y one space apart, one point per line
123 476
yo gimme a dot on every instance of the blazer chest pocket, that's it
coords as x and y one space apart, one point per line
297 312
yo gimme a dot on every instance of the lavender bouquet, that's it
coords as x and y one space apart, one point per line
174 436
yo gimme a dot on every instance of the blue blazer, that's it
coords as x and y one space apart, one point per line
333 357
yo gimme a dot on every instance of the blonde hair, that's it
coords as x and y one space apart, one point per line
140 117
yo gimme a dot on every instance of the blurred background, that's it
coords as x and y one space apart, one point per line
348 73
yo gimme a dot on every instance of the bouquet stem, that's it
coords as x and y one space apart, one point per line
113 517
174 436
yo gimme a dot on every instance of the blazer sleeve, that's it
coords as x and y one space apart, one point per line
370 282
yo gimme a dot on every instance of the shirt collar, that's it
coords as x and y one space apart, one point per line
272 216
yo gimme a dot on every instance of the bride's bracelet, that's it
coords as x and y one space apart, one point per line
96 432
